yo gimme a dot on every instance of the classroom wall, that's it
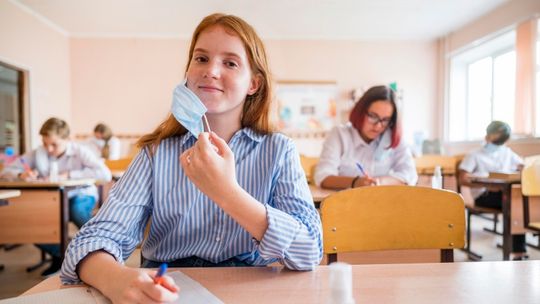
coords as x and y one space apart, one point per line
506 15
30 43
128 82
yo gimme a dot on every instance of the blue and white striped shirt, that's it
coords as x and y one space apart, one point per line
185 222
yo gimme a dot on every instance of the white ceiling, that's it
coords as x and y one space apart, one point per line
273 19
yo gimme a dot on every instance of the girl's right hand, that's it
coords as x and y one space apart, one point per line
131 285
28 175
365 181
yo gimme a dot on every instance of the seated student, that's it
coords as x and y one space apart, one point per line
368 150
104 144
494 156
73 161
236 196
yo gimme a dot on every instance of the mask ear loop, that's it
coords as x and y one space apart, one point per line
207 124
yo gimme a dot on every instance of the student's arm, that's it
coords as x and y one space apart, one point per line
403 169
93 167
466 170
327 174
122 284
344 182
16 169
290 231
118 227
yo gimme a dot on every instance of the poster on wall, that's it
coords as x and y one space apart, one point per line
305 107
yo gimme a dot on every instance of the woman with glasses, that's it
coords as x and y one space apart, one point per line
368 150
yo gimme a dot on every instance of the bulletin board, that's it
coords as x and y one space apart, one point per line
305 106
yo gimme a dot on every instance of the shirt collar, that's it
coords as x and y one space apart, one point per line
245 132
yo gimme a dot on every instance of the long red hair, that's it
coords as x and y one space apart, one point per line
256 111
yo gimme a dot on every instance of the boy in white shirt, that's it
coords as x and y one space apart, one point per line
72 161
494 156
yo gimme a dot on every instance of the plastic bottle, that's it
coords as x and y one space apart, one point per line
53 171
340 284
436 179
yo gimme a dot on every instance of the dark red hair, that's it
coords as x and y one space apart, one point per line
377 93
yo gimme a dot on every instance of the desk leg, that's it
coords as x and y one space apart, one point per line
507 218
64 221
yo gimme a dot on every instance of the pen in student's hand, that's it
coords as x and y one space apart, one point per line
359 166
25 165
158 279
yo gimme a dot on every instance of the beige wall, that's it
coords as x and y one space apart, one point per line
128 82
507 15
31 44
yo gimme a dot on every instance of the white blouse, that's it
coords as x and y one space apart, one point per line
96 145
344 148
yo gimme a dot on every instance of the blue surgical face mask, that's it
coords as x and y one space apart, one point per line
491 147
188 109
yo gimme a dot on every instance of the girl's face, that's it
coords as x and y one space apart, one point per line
378 117
219 72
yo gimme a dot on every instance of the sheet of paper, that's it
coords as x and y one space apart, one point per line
74 295
192 291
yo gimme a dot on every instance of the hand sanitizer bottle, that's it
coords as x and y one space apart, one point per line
53 171
436 179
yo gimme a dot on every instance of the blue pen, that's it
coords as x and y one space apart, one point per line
359 166
161 272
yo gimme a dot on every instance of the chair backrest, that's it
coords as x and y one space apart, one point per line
118 164
530 186
309 164
426 164
530 178
391 218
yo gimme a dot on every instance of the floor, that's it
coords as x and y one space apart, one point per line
14 279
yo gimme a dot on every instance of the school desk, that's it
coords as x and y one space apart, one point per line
319 194
504 185
40 214
467 282
5 195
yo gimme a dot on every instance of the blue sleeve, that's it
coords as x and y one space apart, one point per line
294 233
119 225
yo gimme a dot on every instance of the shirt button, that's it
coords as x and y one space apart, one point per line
218 239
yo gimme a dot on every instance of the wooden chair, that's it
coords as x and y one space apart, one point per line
393 218
118 164
482 212
309 164
530 186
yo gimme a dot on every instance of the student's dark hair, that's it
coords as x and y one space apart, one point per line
502 129
360 109
55 126
106 133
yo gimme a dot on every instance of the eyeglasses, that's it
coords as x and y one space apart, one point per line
375 119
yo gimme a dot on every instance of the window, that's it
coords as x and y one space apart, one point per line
12 125
482 88
537 129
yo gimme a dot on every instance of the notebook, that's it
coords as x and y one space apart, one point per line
191 292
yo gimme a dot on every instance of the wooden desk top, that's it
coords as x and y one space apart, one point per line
6 194
20 184
494 181
467 282
319 194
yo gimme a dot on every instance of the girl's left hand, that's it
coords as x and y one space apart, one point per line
210 165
